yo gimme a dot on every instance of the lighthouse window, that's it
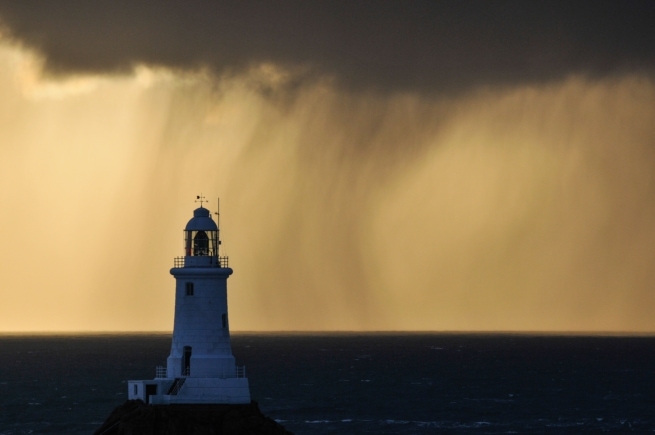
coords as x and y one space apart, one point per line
186 367
136 390
224 317
189 289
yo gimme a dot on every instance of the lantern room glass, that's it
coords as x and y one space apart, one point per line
201 243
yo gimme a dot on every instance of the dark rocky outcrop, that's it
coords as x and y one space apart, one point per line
134 417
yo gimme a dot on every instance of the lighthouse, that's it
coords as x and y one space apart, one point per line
200 367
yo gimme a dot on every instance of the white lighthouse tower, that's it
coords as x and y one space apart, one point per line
201 367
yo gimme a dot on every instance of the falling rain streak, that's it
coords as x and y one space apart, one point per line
518 208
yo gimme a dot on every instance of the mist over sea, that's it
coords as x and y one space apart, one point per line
385 383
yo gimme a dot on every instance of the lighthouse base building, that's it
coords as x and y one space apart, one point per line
200 367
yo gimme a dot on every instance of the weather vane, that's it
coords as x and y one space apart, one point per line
200 199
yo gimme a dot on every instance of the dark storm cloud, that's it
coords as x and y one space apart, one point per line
397 45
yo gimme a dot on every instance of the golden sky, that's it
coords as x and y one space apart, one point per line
526 207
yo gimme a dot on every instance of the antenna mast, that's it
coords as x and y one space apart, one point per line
218 223
218 212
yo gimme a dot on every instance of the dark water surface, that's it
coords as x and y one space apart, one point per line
355 383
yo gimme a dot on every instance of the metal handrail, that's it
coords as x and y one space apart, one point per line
160 372
178 262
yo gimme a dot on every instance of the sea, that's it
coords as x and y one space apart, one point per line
355 383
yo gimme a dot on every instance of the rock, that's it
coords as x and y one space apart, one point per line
134 417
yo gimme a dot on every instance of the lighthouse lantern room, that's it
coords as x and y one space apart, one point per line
200 367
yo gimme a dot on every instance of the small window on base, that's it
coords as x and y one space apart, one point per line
189 289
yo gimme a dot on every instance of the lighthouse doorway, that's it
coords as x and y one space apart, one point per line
151 390
186 361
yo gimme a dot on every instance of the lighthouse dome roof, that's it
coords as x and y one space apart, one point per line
201 221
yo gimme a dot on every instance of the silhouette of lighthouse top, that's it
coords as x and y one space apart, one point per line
200 367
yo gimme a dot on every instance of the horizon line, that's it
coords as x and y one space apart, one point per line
339 332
